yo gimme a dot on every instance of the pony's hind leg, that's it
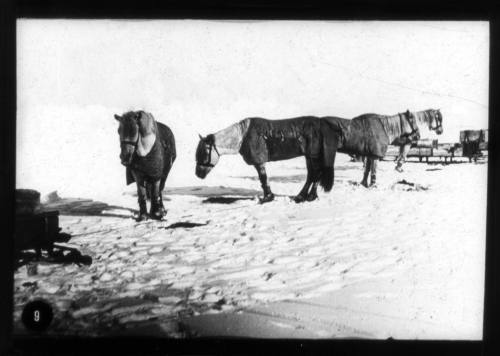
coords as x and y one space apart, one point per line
369 162
373 176
268 195
162 186
302 196
156 202
313 193
315 178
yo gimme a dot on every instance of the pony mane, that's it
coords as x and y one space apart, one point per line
392 124
425 116
130 121
130 113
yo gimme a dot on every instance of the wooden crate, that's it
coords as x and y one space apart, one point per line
426 143
420 152
27 201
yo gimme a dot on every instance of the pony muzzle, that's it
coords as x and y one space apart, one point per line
126 159
202 170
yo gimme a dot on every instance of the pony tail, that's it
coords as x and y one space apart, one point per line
330 138
326 178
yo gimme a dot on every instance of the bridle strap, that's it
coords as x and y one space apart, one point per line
209 163
438 125
412 127
131 143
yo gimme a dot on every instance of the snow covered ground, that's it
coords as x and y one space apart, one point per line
420 247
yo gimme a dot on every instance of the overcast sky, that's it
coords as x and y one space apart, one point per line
229 70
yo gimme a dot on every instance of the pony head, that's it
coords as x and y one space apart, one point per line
129 134
436 122
207 156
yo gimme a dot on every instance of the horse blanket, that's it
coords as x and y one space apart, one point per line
364 135
273 140
157 163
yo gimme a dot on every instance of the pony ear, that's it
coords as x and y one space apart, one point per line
118 117
201 137
138 115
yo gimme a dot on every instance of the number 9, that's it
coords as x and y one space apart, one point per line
37 316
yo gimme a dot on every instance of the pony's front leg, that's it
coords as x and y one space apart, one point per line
156 202
141 198
403 151
268 195
369 162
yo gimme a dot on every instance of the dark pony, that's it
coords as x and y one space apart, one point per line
260 140
147 152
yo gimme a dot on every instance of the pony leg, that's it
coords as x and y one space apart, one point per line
315 177
313 193
162 186
403 151
373 177
302 196
156 212
368 166
268 195
141 197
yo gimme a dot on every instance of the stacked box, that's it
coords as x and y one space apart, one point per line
27 202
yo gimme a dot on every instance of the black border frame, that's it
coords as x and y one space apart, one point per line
238 9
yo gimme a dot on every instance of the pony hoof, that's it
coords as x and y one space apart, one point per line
364 184
157 215
142 217
312 197
299 199
399 169
266 199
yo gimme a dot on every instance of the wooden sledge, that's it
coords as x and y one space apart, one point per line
35 228
38 231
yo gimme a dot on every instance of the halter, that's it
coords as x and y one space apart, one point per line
209 163
414 130
130 143
134 144
439 124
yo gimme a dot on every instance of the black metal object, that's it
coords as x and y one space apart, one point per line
38 231
473 142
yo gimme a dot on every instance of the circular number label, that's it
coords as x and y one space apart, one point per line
37 315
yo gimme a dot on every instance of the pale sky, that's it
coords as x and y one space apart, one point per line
223 71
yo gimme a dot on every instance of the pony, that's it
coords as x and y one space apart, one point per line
427 120
148 153
260 140
370 134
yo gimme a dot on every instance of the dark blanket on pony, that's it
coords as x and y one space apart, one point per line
157 163
273 140
364 135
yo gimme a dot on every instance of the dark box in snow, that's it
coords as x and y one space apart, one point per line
37 231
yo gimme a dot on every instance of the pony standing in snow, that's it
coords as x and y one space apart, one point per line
148 153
